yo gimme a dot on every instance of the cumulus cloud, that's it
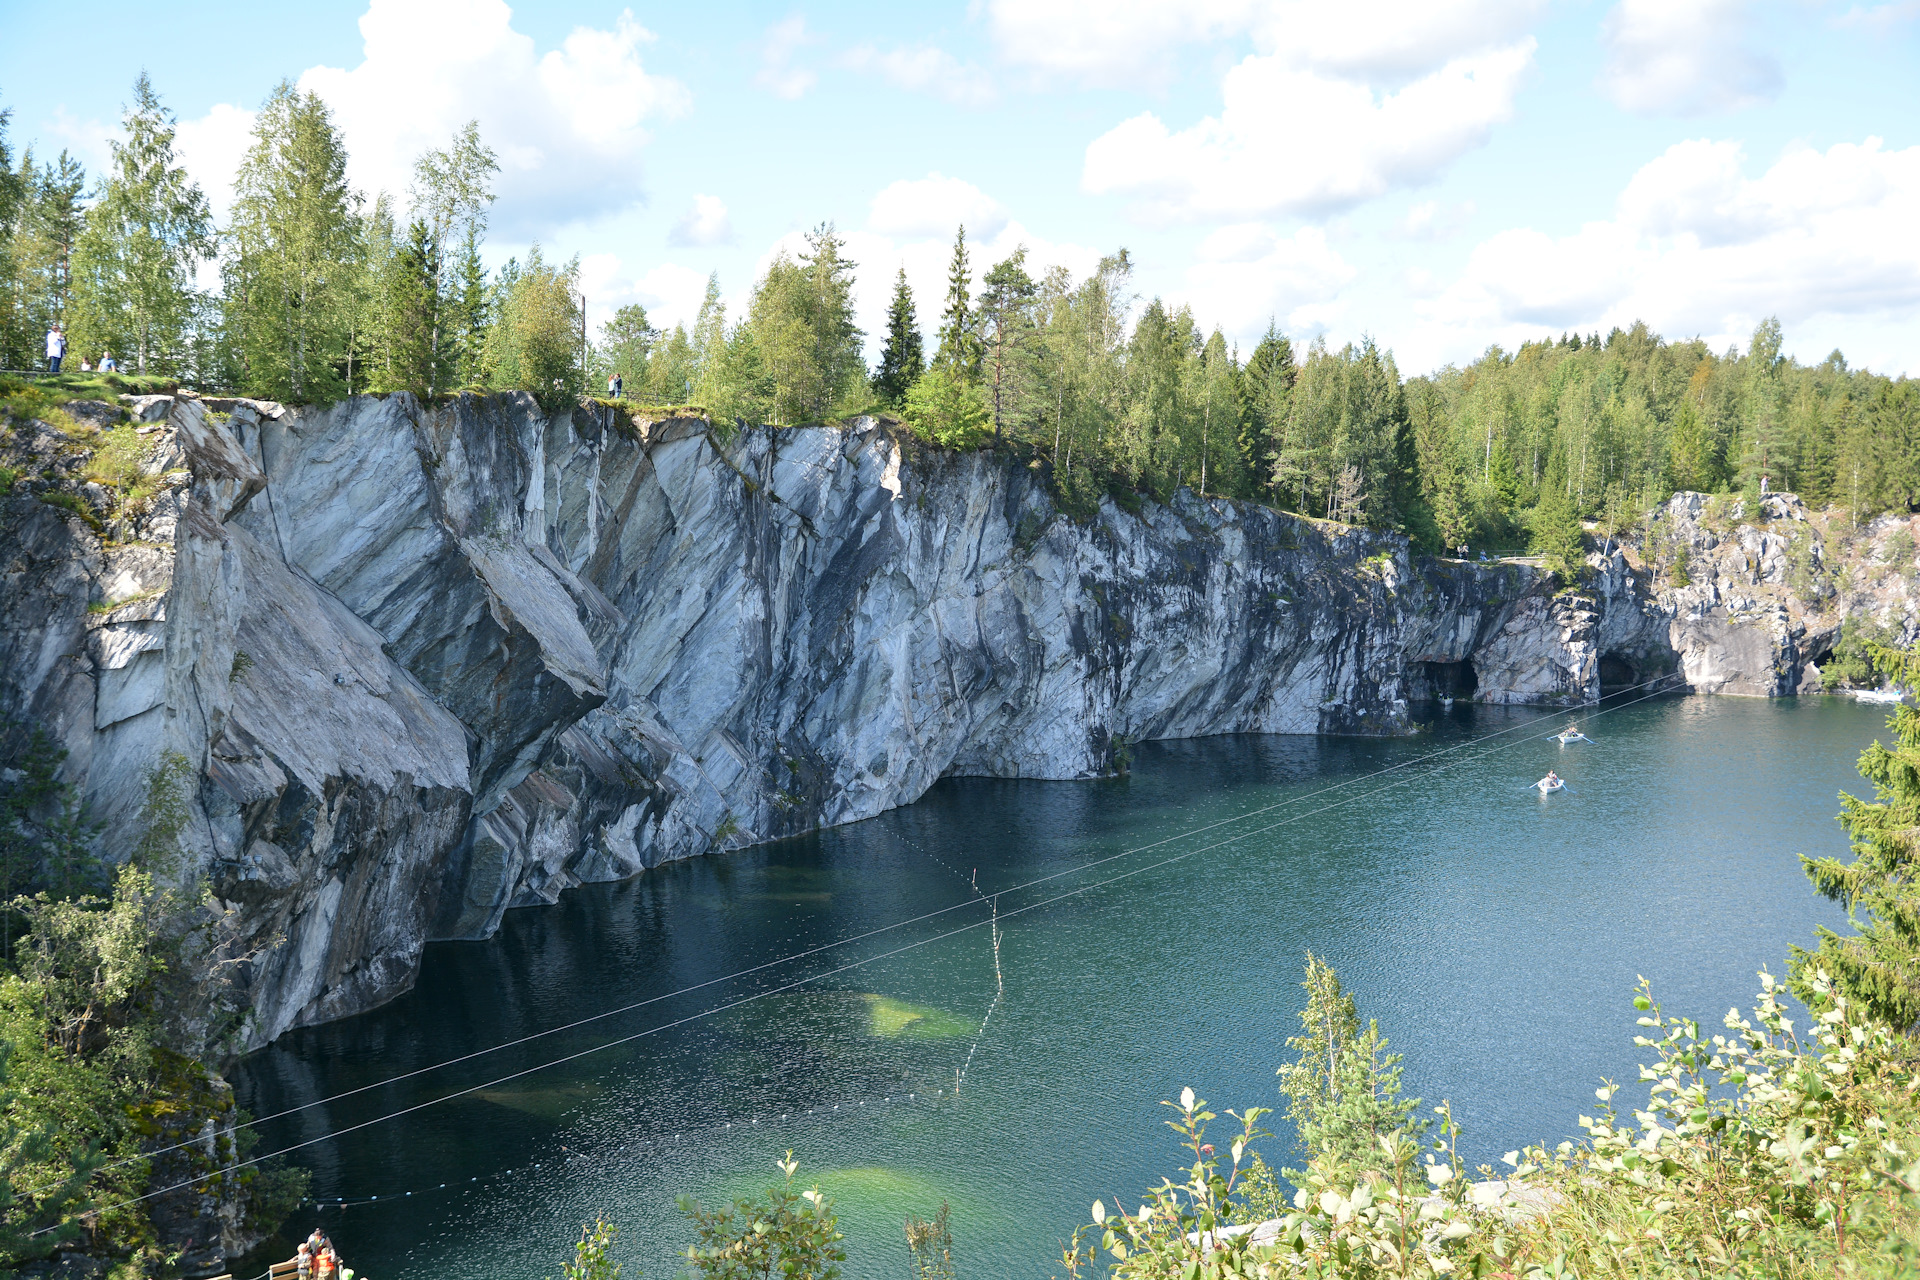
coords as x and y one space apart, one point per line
1291 139
778 75
1430 221
568 124
934 206
704 223
925 69
671 294
212 147
1685 57
1696 246
1248 273
1120 41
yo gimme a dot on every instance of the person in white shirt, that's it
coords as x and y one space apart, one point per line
56 348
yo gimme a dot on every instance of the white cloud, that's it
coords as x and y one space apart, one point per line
925 69
212 147
671 294
1685 57
1247 274
778 75
1697 247
704 223
1119 41
934 206
1429 221
567 124
1294 140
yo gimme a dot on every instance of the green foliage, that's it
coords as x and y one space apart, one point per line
593 1255
1877 967
1179 1228
534 343
46 835
792 1234
959 351
1755 1152
104 1004
948 409
295 254
1556 531
1852 665
1343 1088
930 1246
901 359
133 263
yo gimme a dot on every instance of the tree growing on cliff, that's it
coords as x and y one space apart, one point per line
1878 964
133 265
959 349
902 360
294 253
1343 1087
452 191
627 342
534 345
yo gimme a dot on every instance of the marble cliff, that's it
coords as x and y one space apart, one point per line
425 665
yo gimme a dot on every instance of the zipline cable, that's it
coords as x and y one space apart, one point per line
901 924
828 973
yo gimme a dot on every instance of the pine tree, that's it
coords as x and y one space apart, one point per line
901 359
959 350
290 273
1007 336
134 262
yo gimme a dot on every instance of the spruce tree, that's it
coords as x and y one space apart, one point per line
1878 964
901 359
959 350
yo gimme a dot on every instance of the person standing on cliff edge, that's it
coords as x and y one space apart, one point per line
56 348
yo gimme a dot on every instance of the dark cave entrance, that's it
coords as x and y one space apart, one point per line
1451 679
1617 673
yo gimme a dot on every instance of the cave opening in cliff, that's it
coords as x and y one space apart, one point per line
1451 679
1616 672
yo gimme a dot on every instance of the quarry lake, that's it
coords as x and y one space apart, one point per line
1495 935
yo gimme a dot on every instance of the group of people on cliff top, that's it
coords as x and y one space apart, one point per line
57 351
316 1259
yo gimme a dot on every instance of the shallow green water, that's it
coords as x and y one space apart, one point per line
1494 934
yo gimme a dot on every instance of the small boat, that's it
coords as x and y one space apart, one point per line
1548 786
1879 695
1571 735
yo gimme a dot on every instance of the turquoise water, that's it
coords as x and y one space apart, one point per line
1495 935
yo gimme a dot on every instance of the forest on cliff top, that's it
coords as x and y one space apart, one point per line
326 291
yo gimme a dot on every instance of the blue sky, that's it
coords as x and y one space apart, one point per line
1440 175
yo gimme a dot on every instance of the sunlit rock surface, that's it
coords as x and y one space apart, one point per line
428 666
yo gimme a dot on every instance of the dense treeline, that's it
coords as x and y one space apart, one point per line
324 291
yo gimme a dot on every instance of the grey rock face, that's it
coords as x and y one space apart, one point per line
426 666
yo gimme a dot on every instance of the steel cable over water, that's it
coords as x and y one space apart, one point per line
856 964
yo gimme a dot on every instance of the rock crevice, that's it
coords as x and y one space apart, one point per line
429 664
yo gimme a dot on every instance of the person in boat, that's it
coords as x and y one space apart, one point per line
1549 782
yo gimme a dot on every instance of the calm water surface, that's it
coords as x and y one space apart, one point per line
1495 935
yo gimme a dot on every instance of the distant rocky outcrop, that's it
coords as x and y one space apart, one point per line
429 664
